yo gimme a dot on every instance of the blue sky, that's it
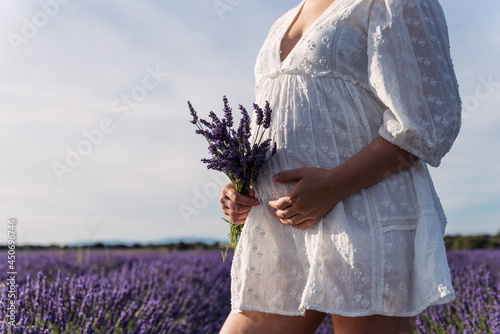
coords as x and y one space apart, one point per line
117 75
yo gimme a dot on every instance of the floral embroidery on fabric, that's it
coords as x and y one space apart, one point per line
357 75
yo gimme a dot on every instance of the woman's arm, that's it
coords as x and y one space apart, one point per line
318 190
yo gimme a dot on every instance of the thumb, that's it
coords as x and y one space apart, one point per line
289 175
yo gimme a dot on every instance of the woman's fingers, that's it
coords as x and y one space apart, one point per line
281 203
238 198
235 205
290 221
305 224
237 209
234 216
284 208
291 214
298 222
252 192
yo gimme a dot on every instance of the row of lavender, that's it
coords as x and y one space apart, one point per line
477 307
110 292
188 292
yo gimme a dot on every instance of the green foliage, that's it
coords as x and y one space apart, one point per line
484 241
234 237
452 242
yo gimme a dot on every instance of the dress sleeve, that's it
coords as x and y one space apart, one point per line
411 72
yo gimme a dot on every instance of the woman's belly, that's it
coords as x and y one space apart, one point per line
318 122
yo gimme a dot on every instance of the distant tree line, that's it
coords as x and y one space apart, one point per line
452 242
178 246
484 241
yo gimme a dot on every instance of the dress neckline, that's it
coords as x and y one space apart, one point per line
298 10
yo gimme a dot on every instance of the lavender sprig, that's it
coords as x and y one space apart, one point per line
231 150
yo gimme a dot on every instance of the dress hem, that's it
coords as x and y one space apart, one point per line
303 308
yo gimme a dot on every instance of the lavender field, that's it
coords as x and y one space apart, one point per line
107 291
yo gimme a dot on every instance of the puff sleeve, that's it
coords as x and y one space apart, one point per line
411 73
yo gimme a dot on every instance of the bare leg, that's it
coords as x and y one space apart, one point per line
252 322
374 324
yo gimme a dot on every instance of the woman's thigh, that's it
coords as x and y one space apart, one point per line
374 324
252 322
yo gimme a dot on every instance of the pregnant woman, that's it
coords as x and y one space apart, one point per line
344 219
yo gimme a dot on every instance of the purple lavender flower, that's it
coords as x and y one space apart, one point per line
187 292
231 150
259 114
267 119
193 113
228 112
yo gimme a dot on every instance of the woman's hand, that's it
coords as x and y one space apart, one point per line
235 205
318 190
314 195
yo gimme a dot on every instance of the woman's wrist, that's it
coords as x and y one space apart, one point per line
342 181
375 162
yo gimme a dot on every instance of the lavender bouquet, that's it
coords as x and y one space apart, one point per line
233 153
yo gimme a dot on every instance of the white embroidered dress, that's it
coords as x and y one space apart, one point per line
365 68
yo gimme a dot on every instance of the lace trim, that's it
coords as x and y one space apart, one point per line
435 299
378 261
434 162
326 74
240 309
409 223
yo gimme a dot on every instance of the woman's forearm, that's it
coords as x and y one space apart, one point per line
375 162
318 190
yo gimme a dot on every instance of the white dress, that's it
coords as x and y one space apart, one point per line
365 68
